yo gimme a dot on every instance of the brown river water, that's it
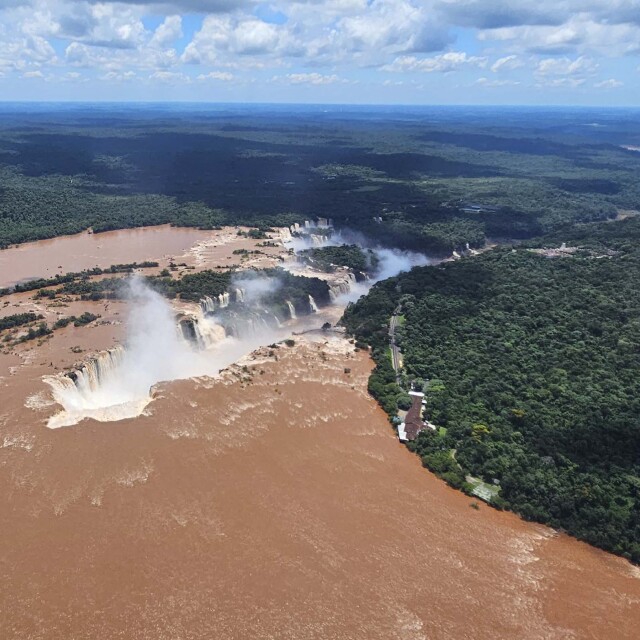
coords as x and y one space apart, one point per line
271 501
47 258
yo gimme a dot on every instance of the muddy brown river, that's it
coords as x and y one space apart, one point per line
272 501
47 258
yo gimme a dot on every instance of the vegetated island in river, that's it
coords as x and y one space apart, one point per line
529 365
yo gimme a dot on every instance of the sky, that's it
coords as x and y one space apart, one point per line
413 52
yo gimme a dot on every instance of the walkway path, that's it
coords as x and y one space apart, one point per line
395 351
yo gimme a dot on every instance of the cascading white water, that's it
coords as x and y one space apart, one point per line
312 304
224 299
318 240
341 287
252 323
117 384
240 295
207 305
201 332
78 387
292 310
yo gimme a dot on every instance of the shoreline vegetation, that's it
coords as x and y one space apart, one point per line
529 367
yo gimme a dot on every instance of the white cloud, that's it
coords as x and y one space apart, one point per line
398 25
611 83
556 43
493 82
223 76
579 34
170 77
564 72
508 63
225 40
566 66
167 33
497 14
114 76
443 63
309 78
104 25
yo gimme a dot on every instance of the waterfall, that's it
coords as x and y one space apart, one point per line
341 287
252 323
77 389
292 310
224 299
200 332
119 383
312 304
307 224
207 305
240 295
97 370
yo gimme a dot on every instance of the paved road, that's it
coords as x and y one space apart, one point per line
395 352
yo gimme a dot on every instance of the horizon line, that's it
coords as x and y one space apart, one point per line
315 104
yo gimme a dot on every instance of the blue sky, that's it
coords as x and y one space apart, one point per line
323 51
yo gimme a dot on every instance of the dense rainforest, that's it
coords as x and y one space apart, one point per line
530 368
346 255
427 179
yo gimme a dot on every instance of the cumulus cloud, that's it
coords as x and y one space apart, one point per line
114 76
496 14
611 83
493 82
565 72
581 33
398 25
566 67
170 77
224 39
223 76
168 32
443 63
492 14
318 42
308 78
104 25
189 6
508 63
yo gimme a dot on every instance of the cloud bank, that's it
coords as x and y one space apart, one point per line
317 50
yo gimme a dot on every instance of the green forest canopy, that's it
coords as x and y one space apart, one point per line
403 182
531 366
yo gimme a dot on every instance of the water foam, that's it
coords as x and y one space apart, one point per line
118 383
